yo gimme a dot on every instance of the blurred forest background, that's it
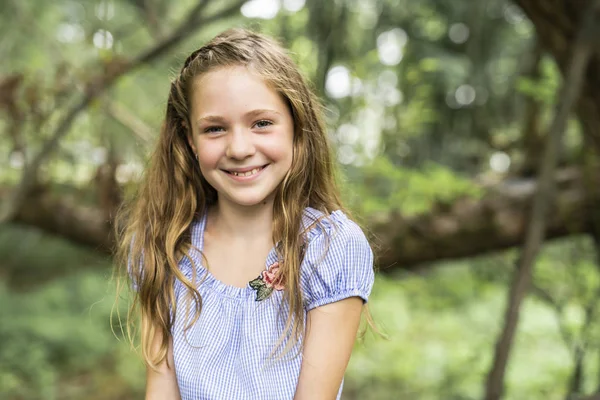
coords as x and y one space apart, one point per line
440 113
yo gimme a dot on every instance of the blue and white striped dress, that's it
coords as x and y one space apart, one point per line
227 353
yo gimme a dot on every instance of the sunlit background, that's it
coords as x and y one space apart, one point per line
429 105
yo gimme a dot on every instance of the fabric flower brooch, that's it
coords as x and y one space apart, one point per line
267 281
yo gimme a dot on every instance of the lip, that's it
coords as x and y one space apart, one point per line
245 178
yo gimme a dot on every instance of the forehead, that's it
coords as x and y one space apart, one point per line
232 89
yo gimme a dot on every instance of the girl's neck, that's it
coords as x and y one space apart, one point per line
240 222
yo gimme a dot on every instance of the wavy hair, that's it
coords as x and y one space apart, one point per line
173 191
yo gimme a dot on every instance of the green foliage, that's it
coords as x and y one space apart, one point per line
544 89
380 186
56 322
442 325
59 333
21 246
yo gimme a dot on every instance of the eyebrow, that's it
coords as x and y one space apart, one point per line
217 118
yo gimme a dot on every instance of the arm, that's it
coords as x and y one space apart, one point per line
161 384
330 334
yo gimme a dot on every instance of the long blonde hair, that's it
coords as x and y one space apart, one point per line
153 227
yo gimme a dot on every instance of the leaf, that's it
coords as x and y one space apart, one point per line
262 290
257 283
263 293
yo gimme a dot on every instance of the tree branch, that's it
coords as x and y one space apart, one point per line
568 96
96 87
466 228
469 226
130 120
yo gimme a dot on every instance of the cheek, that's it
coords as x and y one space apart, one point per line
208 155
281 148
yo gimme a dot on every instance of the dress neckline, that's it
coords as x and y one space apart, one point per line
205 276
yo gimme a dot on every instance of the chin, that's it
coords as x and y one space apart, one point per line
248 201
248 196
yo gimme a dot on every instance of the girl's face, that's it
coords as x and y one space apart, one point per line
242 132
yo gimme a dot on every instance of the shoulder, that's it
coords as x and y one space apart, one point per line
338 260
336 226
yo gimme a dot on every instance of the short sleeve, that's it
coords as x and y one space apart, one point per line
338 262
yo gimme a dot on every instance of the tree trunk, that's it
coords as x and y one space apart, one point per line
556 24
536 231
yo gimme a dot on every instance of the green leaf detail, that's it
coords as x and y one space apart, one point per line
263 292
257 283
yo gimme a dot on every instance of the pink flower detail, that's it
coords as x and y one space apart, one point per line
271 278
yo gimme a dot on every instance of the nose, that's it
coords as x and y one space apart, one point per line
240 144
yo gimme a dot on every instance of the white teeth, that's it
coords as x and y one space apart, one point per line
248 173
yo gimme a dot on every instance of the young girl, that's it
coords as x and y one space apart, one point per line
251 278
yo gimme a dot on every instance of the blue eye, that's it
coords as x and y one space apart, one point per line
263 123
213 129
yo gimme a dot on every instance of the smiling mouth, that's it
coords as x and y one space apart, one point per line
247 173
